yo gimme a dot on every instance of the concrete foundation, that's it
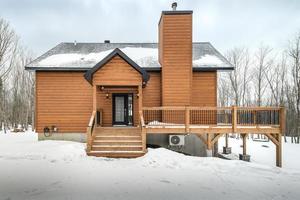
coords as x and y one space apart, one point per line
226 150
193 144
209 153
244 157
76 137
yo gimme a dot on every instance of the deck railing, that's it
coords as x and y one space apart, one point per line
89 131
221 116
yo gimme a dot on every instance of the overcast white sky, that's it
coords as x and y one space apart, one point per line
42 24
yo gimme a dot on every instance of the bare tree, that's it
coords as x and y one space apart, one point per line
8 50
261 67
294 53
239 78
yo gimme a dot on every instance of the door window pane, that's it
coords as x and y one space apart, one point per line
130 109
119 109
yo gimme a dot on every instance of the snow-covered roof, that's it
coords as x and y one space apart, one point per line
83 56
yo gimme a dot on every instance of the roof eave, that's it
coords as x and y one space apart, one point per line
211 69
56 68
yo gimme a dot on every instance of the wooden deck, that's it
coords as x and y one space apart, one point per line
208 123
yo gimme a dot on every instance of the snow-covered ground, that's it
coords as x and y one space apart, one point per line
60 170
264 152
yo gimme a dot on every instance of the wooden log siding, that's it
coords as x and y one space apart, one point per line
117 72
204 94
175 52
63 99
204 89
152 92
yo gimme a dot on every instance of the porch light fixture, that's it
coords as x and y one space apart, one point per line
137 95
102 88
107 95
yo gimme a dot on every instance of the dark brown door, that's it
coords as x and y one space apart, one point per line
122 109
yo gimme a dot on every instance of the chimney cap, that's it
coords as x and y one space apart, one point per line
106 41
174 6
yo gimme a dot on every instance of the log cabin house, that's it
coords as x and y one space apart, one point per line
113 95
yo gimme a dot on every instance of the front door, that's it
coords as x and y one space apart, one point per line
122 109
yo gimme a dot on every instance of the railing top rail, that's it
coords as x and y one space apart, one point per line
142 119
258 108
208 108
184 107
92 118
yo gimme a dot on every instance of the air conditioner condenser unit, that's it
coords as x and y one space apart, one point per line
176 140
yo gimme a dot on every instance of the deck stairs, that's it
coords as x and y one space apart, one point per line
117 142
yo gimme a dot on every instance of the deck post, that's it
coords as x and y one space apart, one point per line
187 119
226 149
279 151
244 156
244 144
95 101
282 120
140 95
209 145
234 119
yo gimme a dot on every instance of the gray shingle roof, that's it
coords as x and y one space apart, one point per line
83 56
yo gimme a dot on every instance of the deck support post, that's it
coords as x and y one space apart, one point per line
244 156
95 101
187 119
279 151
226 149
226 140
234 119
209 145
244 143
140 96
282 122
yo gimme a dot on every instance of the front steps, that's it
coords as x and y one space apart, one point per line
117 142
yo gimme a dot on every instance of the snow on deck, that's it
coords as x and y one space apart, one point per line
61 170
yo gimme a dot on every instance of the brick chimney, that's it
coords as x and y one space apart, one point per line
175 56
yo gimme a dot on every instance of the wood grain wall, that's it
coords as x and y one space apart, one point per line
63 99
204 92
117 72
175 50
152 92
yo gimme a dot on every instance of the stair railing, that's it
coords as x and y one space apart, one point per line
143 130
89 131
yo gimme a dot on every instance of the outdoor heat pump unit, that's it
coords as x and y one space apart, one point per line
176 140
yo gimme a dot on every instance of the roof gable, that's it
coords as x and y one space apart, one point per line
89 74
